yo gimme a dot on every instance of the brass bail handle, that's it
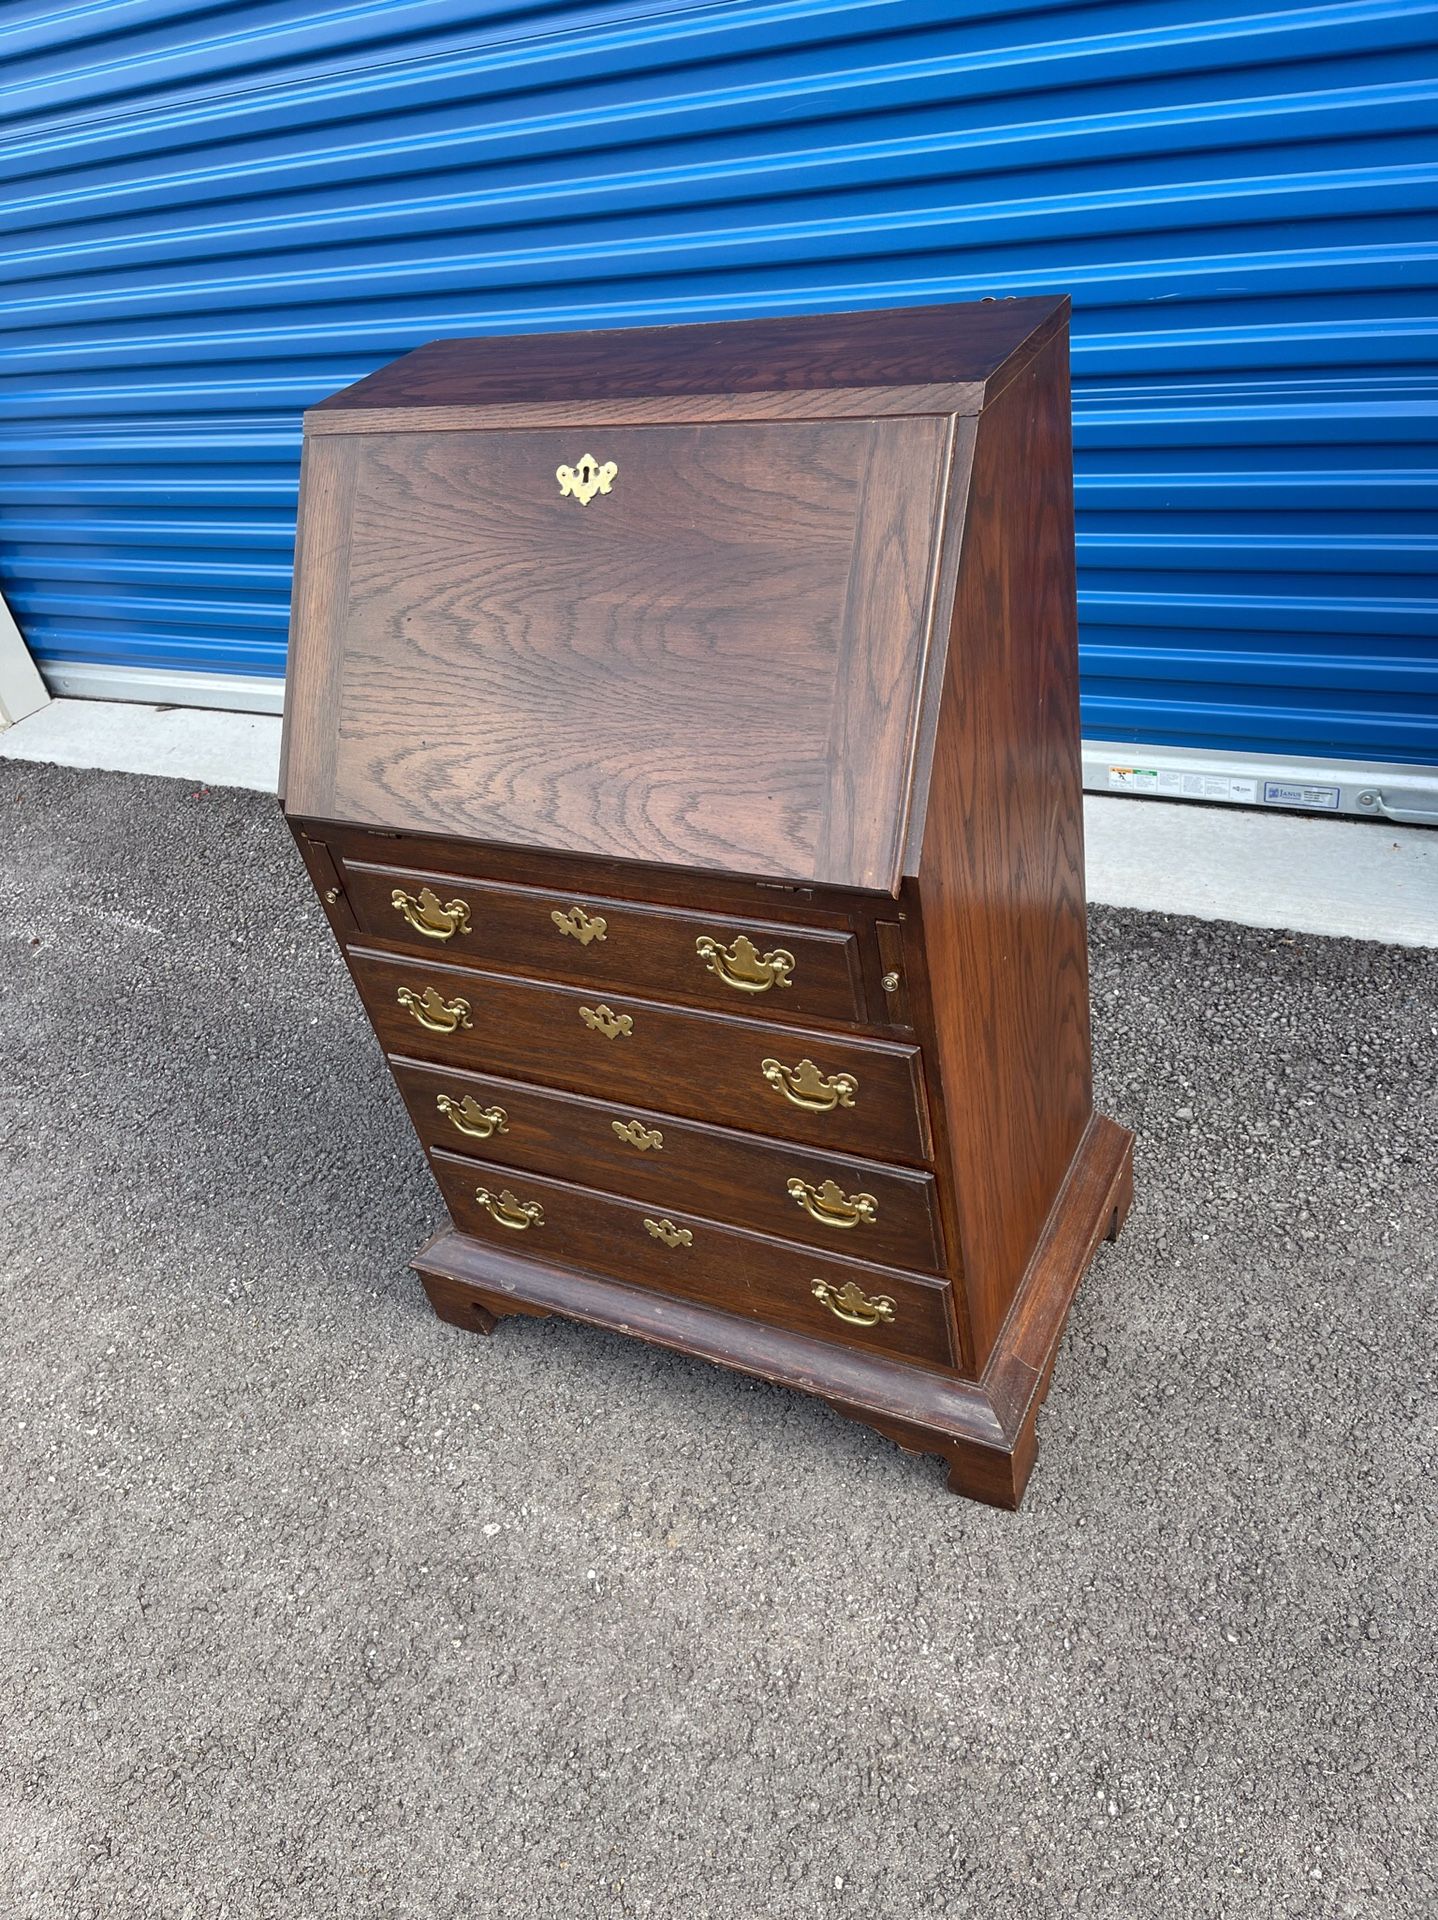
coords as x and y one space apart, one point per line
852 1304
741 965
436 919
506 1209
471 1118
805 1086
831 1206
433 1011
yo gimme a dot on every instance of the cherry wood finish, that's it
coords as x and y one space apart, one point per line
712 1171
999 891
704 1065
805 673
646 950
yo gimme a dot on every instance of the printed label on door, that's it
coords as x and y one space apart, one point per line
1283 793
1182 785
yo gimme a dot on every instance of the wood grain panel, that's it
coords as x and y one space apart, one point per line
667 674
887 610
312 681
1001 883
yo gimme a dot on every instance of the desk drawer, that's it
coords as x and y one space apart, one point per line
735 966
694 1259
830 1090
845 1206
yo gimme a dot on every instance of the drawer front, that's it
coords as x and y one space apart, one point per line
829 1090
842 1205
735 966
692 1258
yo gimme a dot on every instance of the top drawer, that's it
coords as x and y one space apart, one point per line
737 966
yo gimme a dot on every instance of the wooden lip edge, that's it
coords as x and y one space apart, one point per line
1027 350
504 1283
325 826
719 408
1099 1185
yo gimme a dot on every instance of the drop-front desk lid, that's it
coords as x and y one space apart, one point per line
662 595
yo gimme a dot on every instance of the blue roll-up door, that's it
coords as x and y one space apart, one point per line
215 215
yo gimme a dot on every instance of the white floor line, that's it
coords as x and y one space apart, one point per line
188 743
1353 877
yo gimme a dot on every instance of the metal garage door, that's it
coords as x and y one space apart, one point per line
217 214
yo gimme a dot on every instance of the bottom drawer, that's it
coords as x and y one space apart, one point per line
695 1259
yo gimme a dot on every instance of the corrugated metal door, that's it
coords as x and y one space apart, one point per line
216 215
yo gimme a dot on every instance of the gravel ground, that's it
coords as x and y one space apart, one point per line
313 1606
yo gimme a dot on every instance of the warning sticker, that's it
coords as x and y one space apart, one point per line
1283 793
1176 784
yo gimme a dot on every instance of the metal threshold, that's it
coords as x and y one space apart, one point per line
1366 789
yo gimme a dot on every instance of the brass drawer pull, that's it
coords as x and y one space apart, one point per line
850 1303
606 1021
427 916
638 1135
510 1211
439 1015
471 1118
671 1235
578 925
805 1086
741 965
831 1206
586 478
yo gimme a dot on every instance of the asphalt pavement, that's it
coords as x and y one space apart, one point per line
313 1607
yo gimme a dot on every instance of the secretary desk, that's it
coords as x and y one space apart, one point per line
682 739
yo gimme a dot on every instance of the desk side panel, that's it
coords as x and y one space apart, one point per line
1001 878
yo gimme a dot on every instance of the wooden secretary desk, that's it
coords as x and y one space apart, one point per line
682 738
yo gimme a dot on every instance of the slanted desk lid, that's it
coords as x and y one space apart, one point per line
695 645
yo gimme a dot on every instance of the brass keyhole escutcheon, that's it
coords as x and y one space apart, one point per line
586 478
851 1303
428 915
606 1021
671 1235
578 925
